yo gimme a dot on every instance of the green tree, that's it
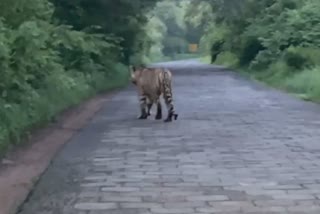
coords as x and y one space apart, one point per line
123 19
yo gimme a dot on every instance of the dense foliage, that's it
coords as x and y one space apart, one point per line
56 53
277 40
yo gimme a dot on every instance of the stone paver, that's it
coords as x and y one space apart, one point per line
236 148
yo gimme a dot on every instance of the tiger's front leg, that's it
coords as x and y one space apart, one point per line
149 106
143 106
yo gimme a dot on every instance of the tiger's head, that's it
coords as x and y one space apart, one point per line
135 73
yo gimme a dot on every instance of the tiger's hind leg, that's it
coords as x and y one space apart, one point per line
170 107
143 106
167 95
159 110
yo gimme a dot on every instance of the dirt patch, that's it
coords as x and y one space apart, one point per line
22 167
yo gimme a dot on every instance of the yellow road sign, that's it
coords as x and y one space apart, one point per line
193 48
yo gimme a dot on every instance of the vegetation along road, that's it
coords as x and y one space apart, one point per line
237 147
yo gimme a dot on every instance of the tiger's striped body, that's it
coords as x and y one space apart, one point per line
151 84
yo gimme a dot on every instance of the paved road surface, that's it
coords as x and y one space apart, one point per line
237 147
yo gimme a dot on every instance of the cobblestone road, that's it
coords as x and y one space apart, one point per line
237 147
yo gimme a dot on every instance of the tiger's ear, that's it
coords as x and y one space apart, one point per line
132 69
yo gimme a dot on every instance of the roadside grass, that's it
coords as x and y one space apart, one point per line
40 107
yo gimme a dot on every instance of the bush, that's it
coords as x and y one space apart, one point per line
227 59
295 58
305 82
276 73
302 57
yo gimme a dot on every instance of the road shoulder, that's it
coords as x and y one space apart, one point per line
22 168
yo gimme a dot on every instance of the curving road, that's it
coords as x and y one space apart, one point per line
237 147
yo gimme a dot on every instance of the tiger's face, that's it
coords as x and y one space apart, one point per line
135 73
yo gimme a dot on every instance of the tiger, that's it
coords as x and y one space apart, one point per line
151 84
